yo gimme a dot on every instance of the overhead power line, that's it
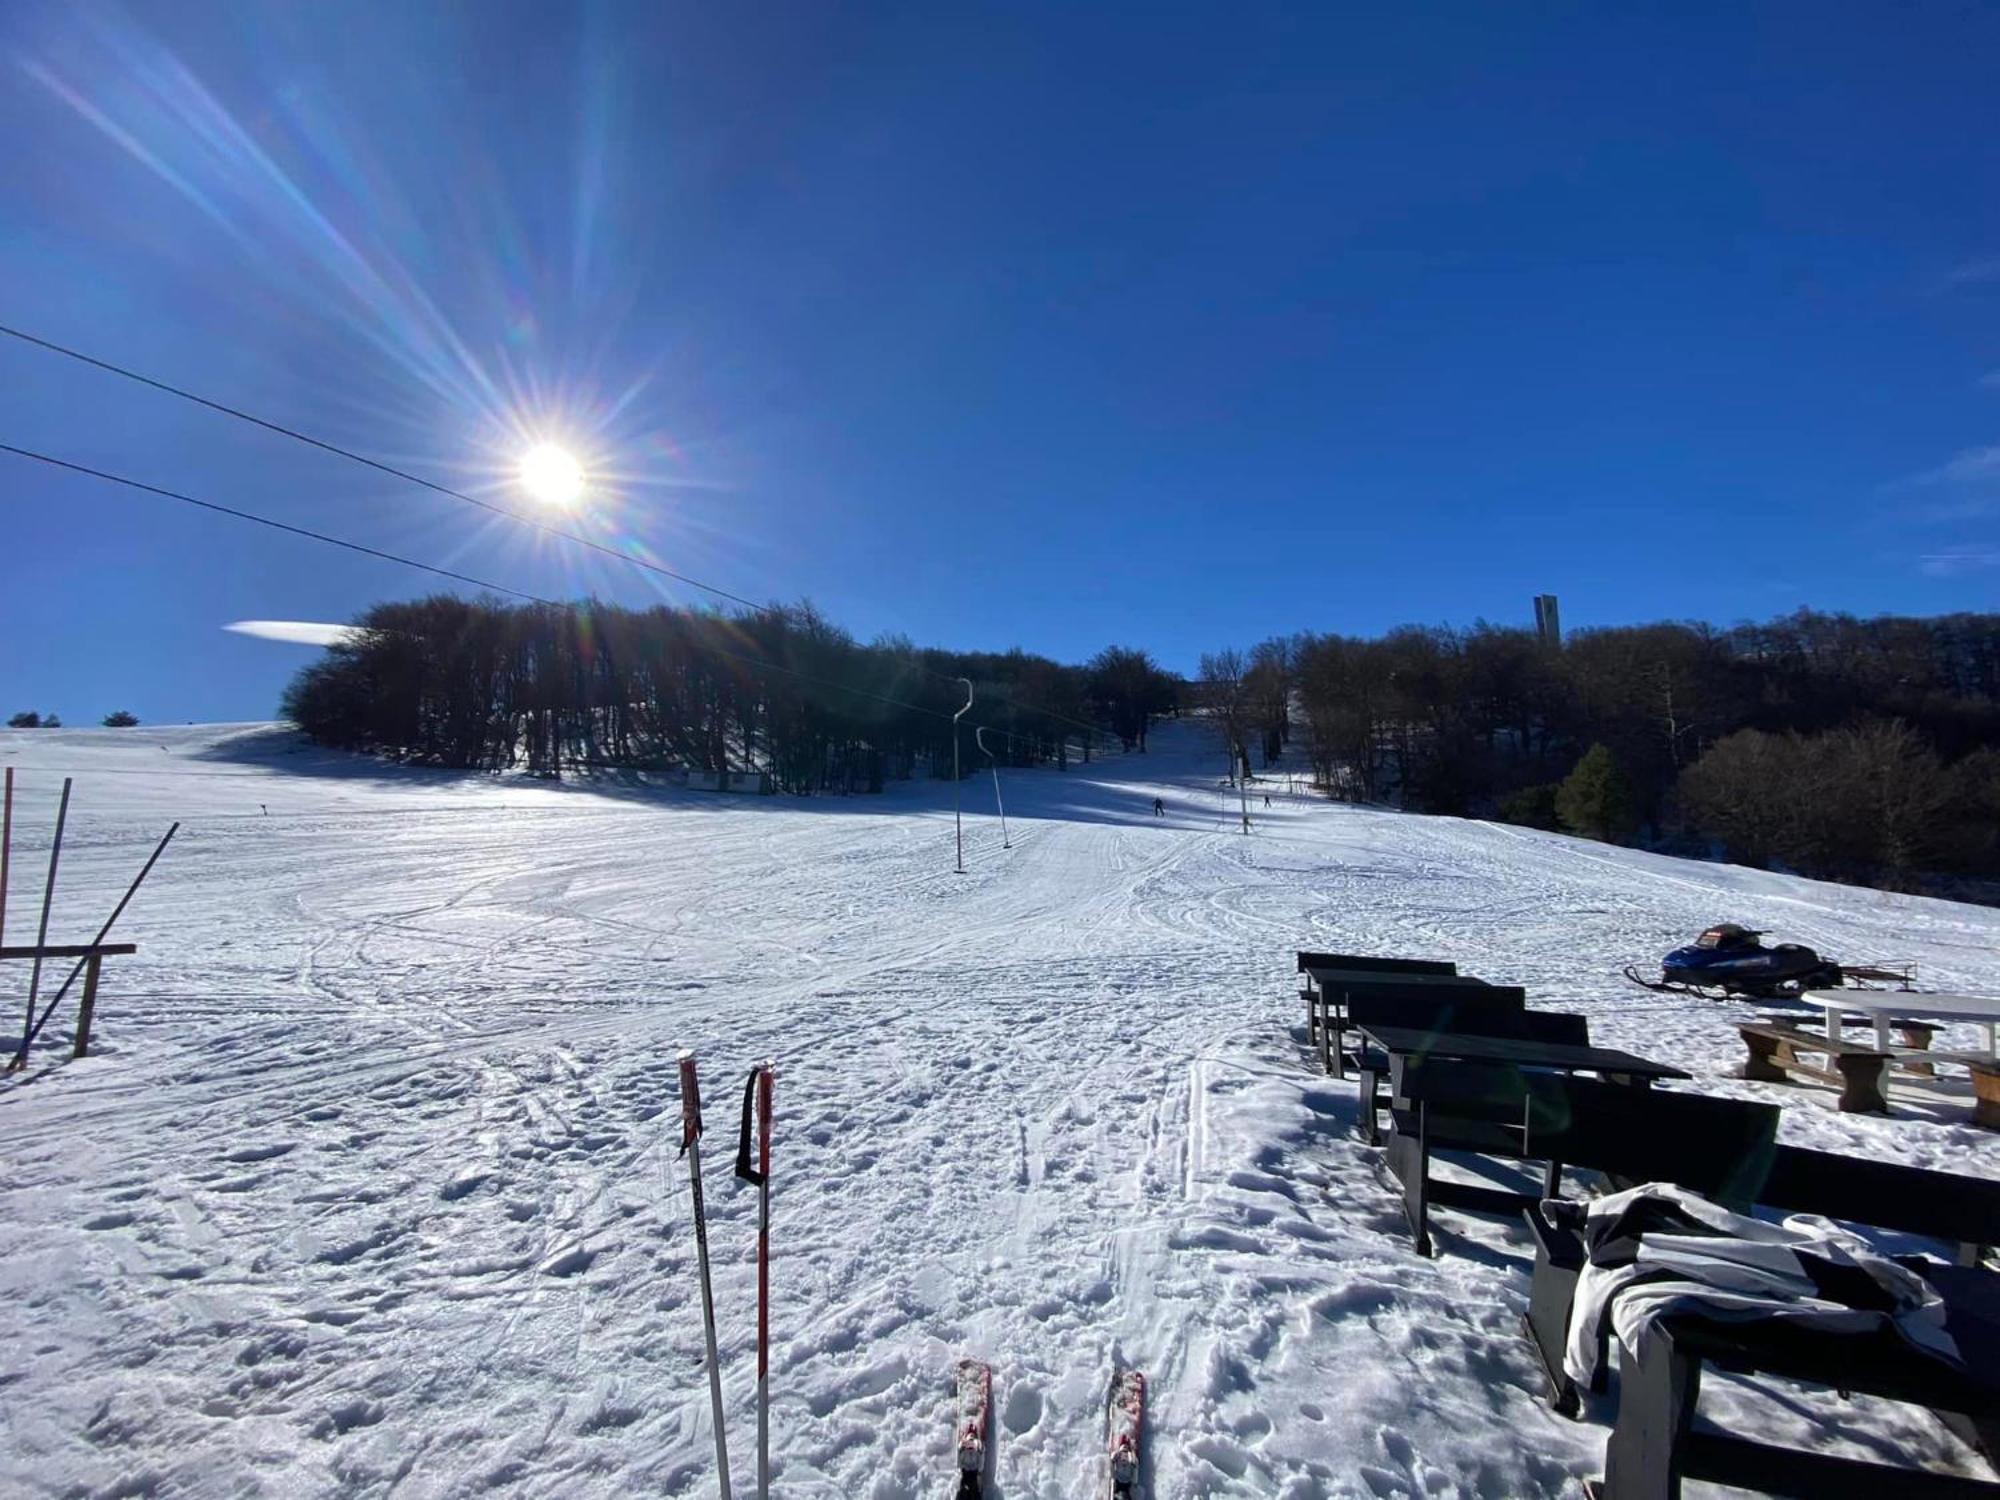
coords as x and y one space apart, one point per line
481 583
126 373
244 515
373 463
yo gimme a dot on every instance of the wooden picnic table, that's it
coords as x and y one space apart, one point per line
1884 1008
1556 1057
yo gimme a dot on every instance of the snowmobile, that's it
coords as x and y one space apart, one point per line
1730 960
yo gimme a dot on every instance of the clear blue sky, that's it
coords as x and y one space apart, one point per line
1040 325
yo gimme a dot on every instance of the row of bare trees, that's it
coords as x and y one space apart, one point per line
1897 716
486 684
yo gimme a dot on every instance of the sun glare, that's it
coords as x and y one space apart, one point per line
551 475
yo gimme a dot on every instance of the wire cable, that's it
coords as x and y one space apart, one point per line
125 373
244 515
373 463
411 562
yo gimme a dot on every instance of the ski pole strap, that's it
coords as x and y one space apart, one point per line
746 1166
690 1104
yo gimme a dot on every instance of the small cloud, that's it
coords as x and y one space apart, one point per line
1960 560
1968 507
1980 272
297 632
1972 466
1991 380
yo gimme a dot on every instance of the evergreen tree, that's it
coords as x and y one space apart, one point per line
121 719
1595 800
26 719
1532 807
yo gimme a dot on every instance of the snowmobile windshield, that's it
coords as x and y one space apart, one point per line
1727 935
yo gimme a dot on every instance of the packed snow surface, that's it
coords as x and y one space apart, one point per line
373 1185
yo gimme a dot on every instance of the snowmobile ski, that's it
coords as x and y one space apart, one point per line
975 1413
1126 1430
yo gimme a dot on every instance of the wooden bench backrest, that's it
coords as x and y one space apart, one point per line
1474 1012
1886 1195
1488 1090
1374 965
1443 990
1722 1148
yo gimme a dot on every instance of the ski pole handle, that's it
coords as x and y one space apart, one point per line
746 1165
690 1104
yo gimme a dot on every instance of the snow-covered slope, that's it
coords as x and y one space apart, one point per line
373 1185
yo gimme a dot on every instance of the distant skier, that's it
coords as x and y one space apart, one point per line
1159 808
1267 799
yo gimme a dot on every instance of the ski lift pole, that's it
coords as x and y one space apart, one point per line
979 735
757 1095
690 1136
957 799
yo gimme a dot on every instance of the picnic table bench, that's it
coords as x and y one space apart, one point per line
1780 1049
1725 1148
1434 1016
1460 1091
1335 991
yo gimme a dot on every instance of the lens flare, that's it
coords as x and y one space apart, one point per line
549 474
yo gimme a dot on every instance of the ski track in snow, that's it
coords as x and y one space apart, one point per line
373 1187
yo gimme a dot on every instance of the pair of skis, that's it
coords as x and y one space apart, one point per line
1124 1429
756 1099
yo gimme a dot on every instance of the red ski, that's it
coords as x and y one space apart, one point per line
975 1414
1127 1429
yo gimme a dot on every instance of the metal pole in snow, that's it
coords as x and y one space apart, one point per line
41 941
957 815
6 850
21 1058
757 1100
979 735
765 1084
690 1135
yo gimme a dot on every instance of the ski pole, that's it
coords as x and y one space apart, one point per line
757 1090
690 1135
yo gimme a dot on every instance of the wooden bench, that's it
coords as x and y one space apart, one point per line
1775 1055
1914 1035
1358 963
1480 1016
1653 1444
1916 1057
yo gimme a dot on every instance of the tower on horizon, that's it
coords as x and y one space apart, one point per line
1548 624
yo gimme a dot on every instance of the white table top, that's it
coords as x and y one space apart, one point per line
1917 1007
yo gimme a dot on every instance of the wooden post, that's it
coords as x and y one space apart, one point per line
88 1005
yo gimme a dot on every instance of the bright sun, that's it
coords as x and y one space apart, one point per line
551 475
